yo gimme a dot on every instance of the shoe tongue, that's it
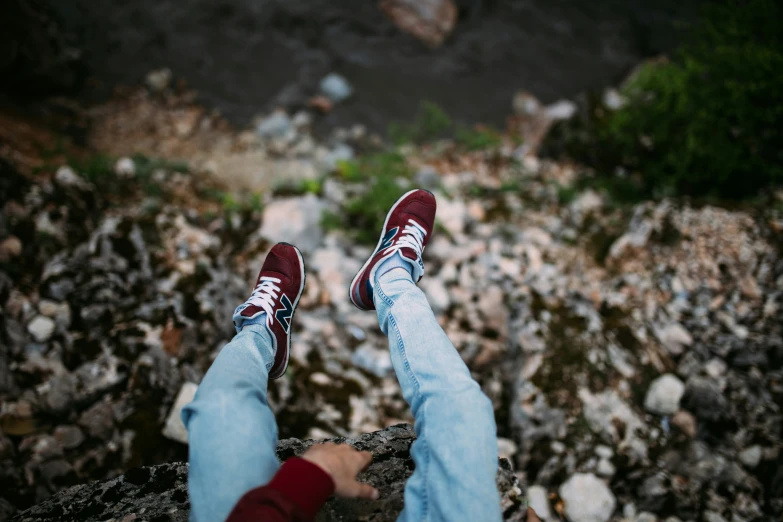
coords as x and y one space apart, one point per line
409 253
250 311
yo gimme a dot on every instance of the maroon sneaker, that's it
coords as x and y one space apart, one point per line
278 289
407 230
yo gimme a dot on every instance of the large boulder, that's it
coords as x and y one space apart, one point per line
160 492
431 21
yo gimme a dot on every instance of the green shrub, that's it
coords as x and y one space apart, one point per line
708 123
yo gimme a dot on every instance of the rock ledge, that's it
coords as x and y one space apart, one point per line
159 493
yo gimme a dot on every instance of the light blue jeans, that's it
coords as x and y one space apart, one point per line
233 434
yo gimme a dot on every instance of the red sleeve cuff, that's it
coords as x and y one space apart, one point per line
304 483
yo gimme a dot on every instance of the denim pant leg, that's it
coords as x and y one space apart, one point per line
232 433
456 448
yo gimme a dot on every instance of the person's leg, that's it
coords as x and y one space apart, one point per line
232 433
456 448
231 430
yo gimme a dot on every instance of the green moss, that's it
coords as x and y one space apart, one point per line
709 123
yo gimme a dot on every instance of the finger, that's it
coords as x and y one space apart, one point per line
531 515
365 459
360 490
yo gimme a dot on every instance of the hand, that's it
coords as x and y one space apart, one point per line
343 463
531 515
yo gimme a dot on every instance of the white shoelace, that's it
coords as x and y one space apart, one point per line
265 295
412 237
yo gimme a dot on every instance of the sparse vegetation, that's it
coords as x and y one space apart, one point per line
478 138
384 177
432 122
299 187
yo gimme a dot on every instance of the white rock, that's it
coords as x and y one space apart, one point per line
448 274
674 337
715 368
606 410
125 168
646 516
334 191
336 88
302 119
531 164
537 236
605 468
60 312
41 328
560 110
587 202
276 125
712 516
605 452
373 360
437 294
750 457
10 247
335 271
174 428
506 448
428 177
636 237
159 79
340 153
525 104
587 498
664 394
538 499
320 379
452 214
66 177
493 309
613 99
294 220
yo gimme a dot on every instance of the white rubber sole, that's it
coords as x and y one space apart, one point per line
380 241
293 313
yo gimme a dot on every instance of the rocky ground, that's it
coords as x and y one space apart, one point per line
160 492
634 354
